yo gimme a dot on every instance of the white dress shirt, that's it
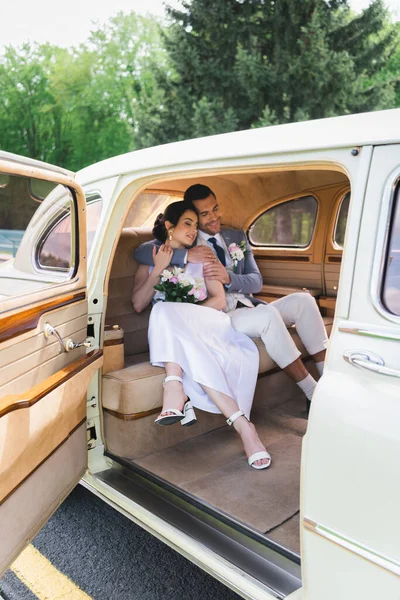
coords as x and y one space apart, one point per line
220 240
232 298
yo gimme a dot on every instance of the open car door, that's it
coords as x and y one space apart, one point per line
45 364
351 484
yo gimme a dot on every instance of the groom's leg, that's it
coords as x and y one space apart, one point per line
300 309
266 322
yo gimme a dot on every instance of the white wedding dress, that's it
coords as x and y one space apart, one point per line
210 352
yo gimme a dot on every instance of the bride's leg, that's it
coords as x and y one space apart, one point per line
174 395
246 430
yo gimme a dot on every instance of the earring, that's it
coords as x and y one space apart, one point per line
170 232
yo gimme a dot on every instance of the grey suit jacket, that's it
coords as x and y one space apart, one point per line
247 279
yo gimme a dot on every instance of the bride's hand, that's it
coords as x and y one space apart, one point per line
162 258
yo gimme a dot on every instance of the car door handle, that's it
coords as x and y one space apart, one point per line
370 361
67 345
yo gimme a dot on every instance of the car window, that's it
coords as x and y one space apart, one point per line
27 206
18 204
55 248
289 224
391 278
341 220
147 206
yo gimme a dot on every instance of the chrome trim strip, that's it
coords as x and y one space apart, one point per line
349 544
373 333
381 244
233 577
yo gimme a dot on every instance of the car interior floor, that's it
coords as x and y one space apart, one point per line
212 466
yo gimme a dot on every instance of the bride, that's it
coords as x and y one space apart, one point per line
205 359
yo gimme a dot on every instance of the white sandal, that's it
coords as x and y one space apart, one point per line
186 417
257 455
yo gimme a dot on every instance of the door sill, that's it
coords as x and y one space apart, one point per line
274 568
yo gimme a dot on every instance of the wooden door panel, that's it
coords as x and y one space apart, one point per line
26 362
332 273
33 424
294 273
39 495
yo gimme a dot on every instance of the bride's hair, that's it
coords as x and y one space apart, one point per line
172 213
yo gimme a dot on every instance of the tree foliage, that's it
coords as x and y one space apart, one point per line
275 61
216 66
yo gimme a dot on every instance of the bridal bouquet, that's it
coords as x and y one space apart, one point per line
178 287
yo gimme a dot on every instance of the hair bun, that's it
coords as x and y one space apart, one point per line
159 229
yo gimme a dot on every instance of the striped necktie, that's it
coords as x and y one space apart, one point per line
220 251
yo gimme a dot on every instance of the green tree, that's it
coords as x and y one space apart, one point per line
78 106
259 62
25 99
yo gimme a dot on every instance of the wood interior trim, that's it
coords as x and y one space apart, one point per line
327 302
334 259
27 319
296 258
2 500
114 342
134 416
269 372
18 401
269 295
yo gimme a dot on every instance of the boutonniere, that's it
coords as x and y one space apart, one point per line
237 253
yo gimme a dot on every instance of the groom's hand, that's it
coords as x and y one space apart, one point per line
200 254
216 270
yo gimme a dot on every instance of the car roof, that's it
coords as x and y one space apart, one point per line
381 127
30 162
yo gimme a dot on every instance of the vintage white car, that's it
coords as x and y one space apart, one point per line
320 202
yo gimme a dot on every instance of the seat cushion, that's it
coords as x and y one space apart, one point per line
138 387
119 306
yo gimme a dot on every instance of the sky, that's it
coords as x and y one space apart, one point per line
69 23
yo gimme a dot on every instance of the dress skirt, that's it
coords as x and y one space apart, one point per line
203 343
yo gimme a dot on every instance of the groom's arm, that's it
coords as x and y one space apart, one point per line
197 254
144 254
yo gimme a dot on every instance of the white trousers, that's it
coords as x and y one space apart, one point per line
270 322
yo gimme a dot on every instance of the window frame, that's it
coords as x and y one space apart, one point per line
394 211
381 248
46 231
58 218
292 248
338 207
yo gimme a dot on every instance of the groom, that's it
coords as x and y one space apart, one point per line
227 257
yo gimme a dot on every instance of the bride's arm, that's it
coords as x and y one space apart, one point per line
143 286
216 295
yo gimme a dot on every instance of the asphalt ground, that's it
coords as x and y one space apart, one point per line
110 558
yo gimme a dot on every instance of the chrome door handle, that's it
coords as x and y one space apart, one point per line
50 330
370 361
69 344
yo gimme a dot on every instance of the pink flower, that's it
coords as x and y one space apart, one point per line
174 279
201 295
192 293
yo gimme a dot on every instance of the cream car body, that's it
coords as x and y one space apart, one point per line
349 524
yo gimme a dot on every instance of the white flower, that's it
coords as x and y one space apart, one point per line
185 280
236 253
166 275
